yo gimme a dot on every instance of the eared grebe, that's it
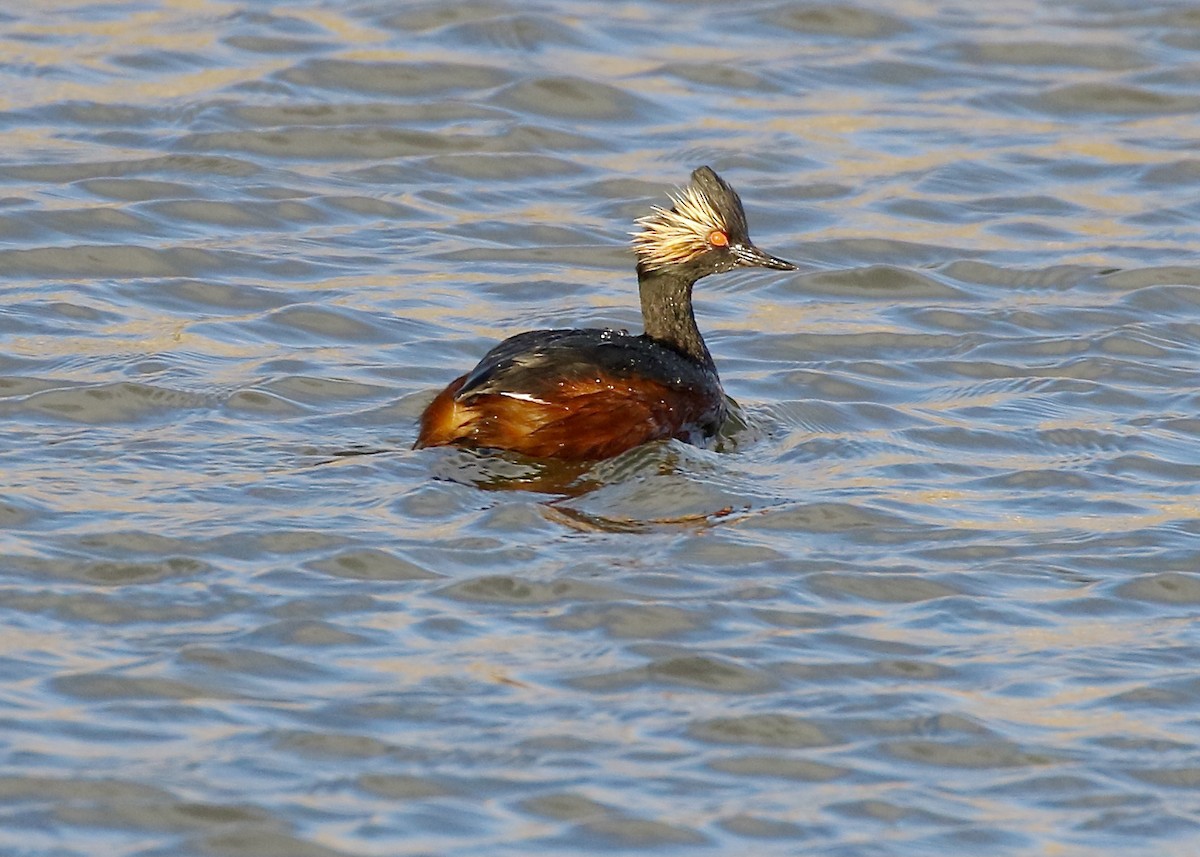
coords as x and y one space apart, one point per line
591 394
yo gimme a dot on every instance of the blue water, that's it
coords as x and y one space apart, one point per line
932 592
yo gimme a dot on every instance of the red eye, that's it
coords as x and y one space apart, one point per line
717 238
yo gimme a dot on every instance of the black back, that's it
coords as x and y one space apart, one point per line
533 363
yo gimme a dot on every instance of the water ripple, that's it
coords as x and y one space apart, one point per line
931 590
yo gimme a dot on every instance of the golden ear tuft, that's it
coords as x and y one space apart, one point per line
673 236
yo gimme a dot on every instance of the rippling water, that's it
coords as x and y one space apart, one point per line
934 591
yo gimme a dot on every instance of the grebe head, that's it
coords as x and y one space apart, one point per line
704 232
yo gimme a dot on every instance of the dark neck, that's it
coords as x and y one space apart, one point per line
667 312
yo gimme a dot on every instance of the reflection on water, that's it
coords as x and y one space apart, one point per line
932 592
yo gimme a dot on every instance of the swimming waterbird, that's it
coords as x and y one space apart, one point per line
594 393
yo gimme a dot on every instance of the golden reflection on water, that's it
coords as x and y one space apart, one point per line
953 514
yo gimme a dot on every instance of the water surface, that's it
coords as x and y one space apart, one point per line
934 591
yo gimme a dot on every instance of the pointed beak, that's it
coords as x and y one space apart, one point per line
750 256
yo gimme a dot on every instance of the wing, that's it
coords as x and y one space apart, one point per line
524 363
539 359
